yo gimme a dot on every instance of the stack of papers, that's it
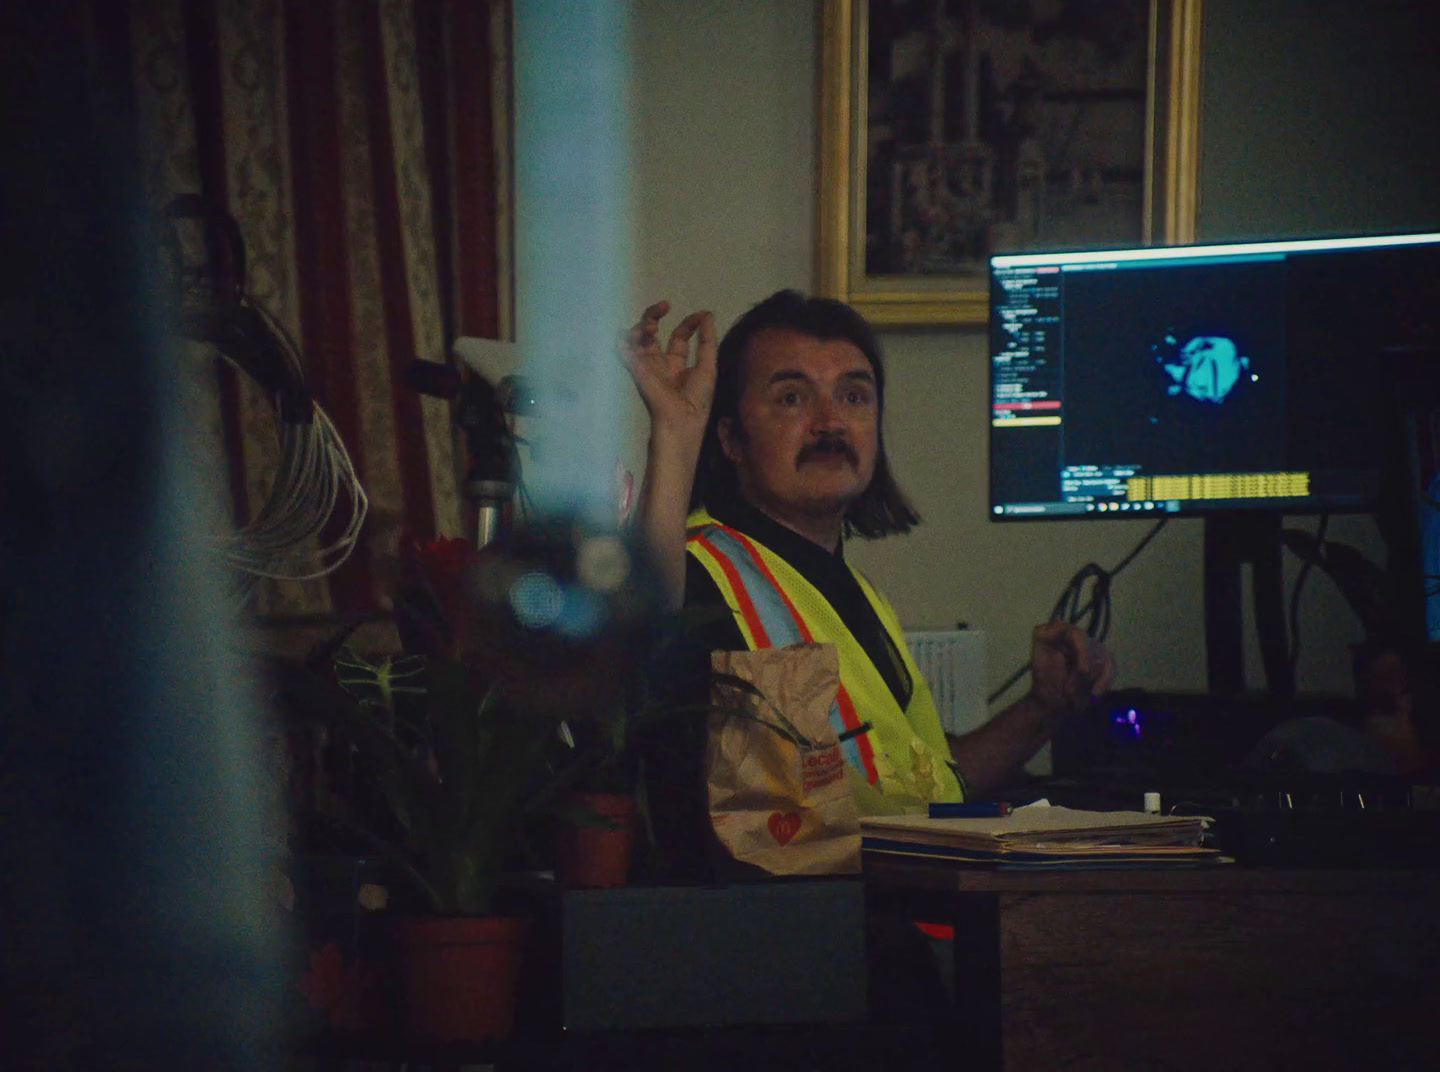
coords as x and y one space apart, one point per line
1040 835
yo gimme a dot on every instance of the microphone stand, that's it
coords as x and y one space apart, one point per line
488 499
489 483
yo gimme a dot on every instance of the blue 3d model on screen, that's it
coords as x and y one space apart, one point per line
1206 368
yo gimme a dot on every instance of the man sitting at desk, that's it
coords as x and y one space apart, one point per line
762 458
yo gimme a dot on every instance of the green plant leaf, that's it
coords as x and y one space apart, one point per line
780 724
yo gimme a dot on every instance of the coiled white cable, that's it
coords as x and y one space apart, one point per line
285 539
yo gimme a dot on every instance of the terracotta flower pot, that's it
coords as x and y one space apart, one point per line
338 907
458 975
591 858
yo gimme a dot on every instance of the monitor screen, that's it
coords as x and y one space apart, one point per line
1195 380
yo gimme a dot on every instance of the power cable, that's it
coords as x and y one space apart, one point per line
1300 579
314 476
1094 614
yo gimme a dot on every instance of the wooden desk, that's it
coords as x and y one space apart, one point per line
1214 969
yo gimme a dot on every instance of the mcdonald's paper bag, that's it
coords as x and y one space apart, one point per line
778 787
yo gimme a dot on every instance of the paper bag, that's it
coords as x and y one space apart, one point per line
781 805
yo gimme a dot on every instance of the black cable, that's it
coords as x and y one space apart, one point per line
1299 585
1094 614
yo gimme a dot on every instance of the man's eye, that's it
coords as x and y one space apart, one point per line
790 398
858 398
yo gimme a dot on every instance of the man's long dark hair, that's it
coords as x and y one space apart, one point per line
882 508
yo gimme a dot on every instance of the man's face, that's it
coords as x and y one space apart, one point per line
806 438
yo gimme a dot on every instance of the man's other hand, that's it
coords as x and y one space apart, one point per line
1068 668
676 393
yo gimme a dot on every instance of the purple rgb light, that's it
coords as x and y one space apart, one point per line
1128 721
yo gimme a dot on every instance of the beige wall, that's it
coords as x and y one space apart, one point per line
1292 143
724 158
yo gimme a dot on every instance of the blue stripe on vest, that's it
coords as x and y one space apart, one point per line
775 616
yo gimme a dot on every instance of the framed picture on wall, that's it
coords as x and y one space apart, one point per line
953 129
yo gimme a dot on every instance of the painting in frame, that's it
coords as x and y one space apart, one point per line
953 129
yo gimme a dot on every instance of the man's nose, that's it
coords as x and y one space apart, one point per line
825 414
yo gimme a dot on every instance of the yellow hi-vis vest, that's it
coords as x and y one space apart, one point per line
901 763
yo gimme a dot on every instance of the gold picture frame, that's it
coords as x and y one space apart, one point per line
1159 189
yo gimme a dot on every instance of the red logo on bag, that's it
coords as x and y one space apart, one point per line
820 767
784 825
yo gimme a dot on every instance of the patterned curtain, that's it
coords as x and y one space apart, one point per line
362 147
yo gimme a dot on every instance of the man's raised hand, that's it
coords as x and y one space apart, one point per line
676 393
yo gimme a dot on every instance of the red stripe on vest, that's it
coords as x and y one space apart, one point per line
747 608
848 714
805 633
851 718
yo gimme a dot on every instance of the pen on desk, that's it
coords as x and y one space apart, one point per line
978 809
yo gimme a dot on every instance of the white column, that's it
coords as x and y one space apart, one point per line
572 202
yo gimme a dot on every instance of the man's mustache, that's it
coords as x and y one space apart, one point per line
828 445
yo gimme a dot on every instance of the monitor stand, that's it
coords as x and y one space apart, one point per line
1232 540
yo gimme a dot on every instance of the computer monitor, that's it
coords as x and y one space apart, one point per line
1234 382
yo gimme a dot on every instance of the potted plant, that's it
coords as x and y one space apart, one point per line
601 804
600 812
457 737
453 765
596 812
